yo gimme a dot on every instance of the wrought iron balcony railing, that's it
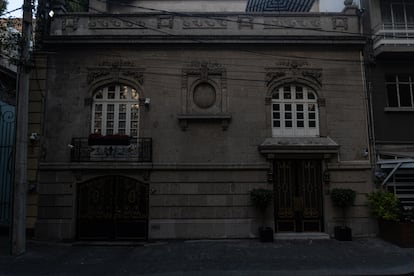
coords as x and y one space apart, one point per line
389 34
136 150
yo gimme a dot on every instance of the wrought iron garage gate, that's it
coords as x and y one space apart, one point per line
298 196
112 208
7 124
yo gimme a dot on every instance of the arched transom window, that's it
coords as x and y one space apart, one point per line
294 111
115 110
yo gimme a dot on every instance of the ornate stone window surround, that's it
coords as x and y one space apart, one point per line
204 95
295 74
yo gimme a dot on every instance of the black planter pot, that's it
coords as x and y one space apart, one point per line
343 233
266 234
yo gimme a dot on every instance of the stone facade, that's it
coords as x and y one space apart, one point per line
207 147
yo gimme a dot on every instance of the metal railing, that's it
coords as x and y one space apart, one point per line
136 150
394 34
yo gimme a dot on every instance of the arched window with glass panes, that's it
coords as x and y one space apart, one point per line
294 111
115 110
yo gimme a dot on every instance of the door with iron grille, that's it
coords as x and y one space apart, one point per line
298 196
112 208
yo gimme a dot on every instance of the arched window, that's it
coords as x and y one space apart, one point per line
115 110
294 111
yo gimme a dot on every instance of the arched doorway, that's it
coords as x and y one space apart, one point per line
112 208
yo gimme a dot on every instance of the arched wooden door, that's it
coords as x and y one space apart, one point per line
112 208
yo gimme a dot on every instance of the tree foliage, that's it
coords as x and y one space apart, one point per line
3 6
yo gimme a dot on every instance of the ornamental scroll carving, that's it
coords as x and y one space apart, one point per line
115 70
204 23
295 71
305 23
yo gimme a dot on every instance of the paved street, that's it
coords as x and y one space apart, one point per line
227 257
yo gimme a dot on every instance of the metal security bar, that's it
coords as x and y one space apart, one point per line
132 150
7 126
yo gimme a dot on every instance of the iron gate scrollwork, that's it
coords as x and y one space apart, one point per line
112 208
298 196
7 128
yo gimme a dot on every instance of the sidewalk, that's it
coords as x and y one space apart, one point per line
217 257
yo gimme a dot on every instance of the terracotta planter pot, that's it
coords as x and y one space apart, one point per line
400 233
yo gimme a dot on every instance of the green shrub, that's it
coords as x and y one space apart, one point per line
343 197
261 198
384 205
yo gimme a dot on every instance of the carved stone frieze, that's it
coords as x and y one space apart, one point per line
204 23
115 23
165 21
246 22
70 23
277 22
340 23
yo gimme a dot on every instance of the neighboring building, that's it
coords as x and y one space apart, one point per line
158 122
9 28
391 87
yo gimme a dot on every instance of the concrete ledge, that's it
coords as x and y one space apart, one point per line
302 236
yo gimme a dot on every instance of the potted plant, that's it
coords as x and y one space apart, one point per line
261 198
396 224
112 139
343 198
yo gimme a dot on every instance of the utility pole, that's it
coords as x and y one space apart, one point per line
18 230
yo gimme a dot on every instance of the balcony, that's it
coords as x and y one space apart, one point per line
394 38
132 150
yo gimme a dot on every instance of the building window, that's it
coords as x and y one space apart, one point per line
115 110
294 111
400 90
398 14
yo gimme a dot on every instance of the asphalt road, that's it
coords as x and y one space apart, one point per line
217 257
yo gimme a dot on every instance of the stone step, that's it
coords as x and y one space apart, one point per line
301 236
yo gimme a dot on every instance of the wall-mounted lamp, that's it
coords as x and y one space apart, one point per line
326 177
33 137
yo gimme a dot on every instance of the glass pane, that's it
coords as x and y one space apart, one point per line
134 132
111 107
98 107
276 115
312 116
110 116
122 116
392 95
134 125
288 124
286 89
311 96
111 88
288 107
99 95
312 124
121 131
288 115
405 95
109 131
109 124
311 107
276 123
386 12
300 124
404 78
398 13
299 115
275 95
390 78
409 9
134 94
111 95
299 107
124 93
299 95
299 88
276 107
122 107
287 95
122 124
